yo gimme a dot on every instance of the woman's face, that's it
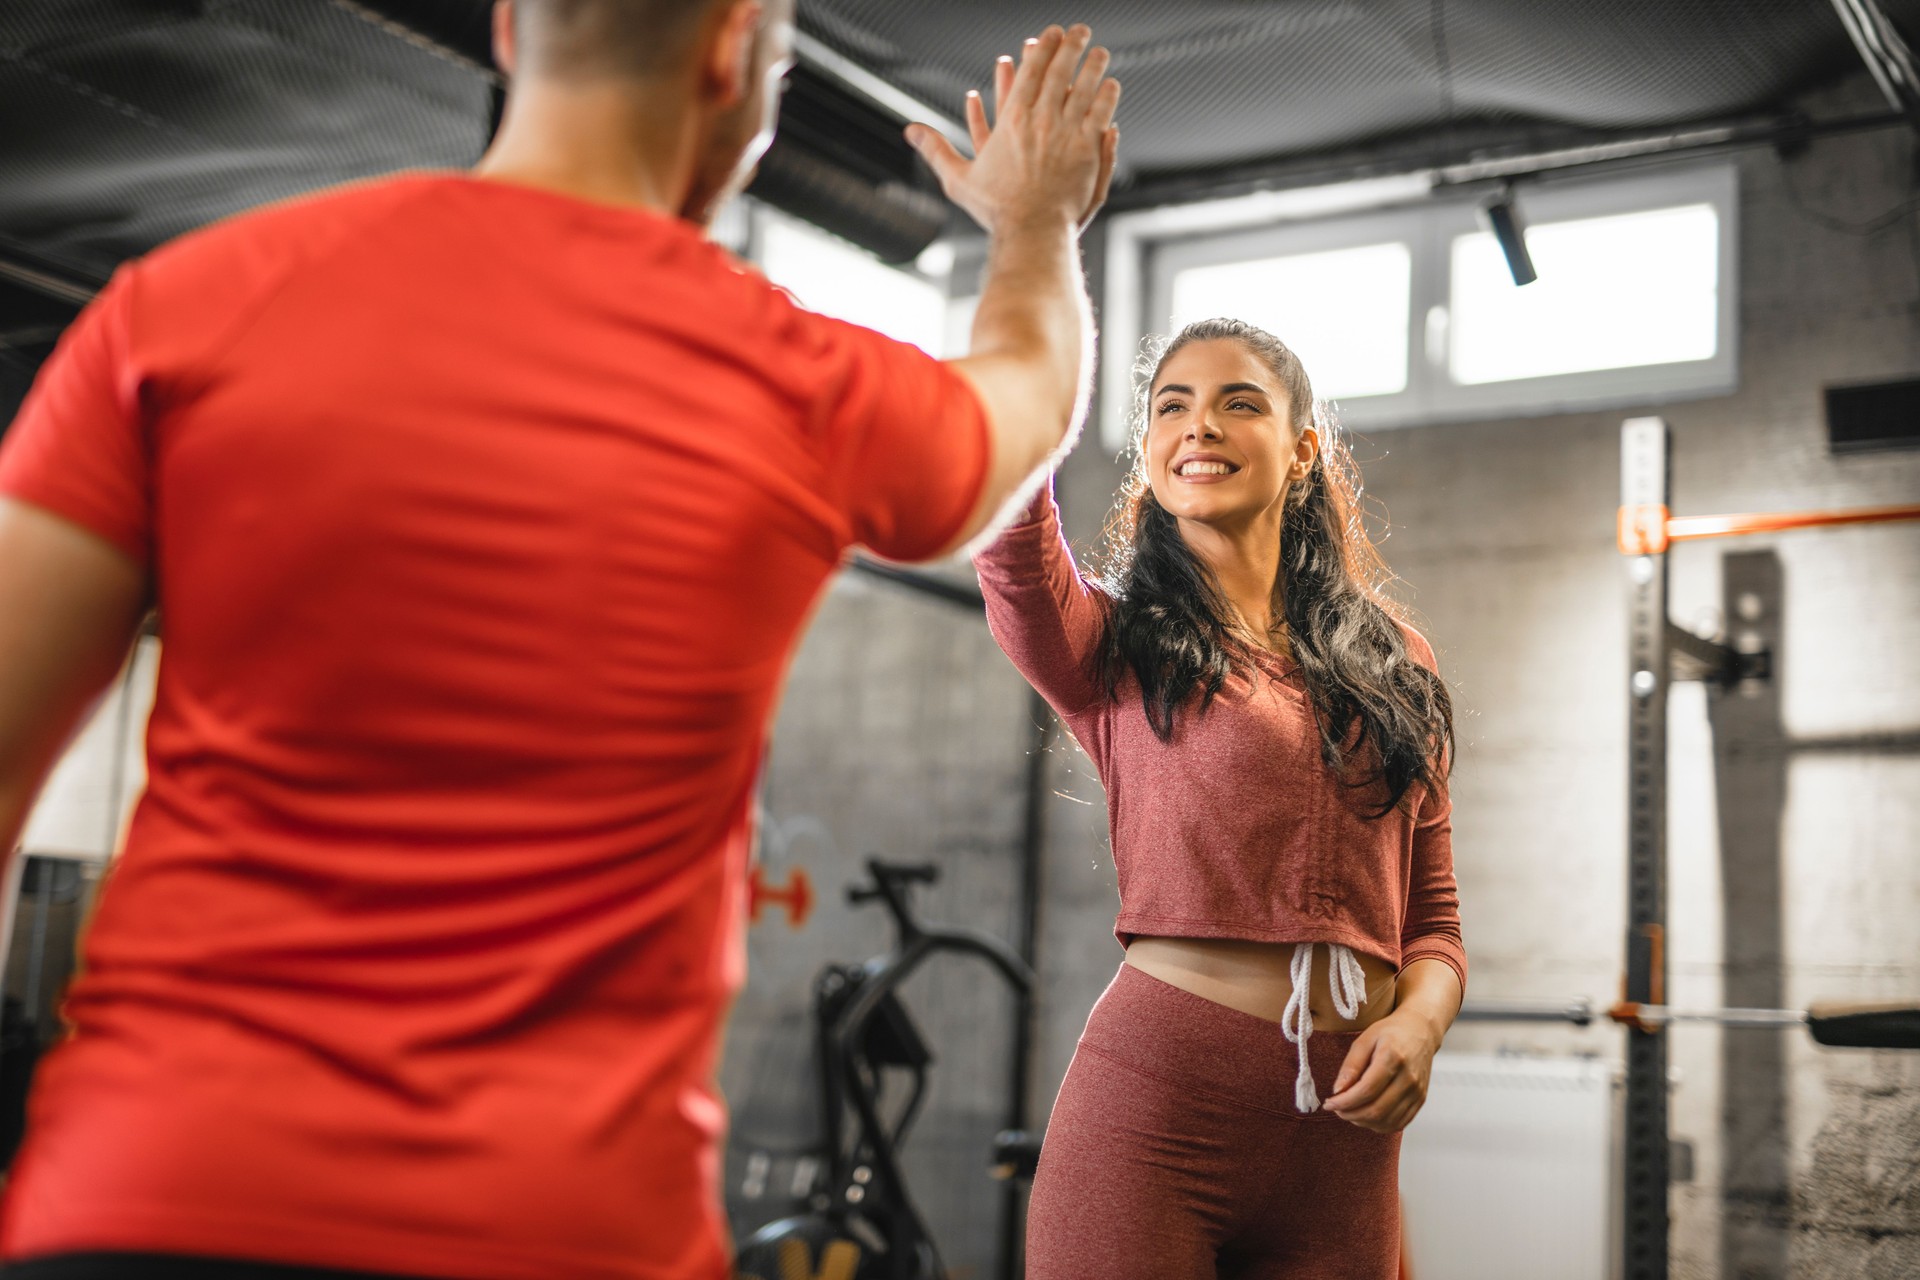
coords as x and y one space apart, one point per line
1220 448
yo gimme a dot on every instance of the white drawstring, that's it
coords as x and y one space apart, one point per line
1348 983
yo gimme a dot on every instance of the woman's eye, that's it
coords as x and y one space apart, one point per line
1243 404
1169 406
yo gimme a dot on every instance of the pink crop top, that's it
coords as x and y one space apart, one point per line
1236 828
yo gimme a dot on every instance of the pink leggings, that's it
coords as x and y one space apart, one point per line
1175 1153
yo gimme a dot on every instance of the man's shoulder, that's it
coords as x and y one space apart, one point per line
289 229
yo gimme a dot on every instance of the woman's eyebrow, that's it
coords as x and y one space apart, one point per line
1182 388
1232 387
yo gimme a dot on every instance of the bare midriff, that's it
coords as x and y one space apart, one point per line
1255 977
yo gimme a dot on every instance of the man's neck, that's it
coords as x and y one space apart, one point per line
615 143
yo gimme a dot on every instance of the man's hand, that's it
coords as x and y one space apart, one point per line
1383 1083
1049 153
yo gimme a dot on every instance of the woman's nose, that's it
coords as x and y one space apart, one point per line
1200 427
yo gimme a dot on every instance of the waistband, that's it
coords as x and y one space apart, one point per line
1161 1030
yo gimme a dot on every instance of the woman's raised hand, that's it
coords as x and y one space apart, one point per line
1050 149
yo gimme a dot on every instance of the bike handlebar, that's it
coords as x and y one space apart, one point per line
889 878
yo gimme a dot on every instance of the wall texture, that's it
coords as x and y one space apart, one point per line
1806 1161
903 735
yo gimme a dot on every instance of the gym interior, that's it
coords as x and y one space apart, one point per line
1620 303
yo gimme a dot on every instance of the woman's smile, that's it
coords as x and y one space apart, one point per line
1203 468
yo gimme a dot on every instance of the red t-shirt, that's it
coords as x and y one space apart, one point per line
483 522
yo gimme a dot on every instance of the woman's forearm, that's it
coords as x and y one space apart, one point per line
1428 994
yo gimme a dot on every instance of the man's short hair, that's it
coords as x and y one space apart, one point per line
606 39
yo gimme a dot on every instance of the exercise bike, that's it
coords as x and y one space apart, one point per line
862 1223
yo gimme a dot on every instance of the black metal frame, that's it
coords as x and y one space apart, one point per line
1645 458
846 1075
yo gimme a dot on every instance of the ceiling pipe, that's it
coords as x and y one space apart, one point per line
1408 162
1885 51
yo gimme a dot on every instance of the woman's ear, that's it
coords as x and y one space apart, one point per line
1306 452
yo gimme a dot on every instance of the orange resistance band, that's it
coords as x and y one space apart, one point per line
1648 530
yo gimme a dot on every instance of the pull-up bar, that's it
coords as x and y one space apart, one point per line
1647 530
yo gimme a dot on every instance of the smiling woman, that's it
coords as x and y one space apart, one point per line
1274 744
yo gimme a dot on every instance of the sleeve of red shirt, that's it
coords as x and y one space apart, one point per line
904 439
1431 930
78 446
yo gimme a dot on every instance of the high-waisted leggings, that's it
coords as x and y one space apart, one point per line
1175 1153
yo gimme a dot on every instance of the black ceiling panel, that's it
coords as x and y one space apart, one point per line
130 121
1223 82
144 120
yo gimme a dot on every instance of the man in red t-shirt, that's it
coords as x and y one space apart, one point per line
483 512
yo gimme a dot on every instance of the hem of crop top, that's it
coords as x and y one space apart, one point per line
1158 926
168 1229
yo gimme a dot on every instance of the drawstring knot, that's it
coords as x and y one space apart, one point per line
1348 983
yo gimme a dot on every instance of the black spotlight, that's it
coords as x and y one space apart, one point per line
1503 219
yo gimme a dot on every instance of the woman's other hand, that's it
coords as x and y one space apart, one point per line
1383 1083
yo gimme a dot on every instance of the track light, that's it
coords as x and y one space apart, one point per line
1503 219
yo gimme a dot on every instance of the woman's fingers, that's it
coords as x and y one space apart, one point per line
977 120
1003 70
1383 1114
941 156
1354 1066
1106 100
1109 151
1086 85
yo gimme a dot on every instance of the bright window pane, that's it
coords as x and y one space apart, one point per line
838 279
1343 312
1613 293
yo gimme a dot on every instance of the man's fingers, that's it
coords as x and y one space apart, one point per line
1060 73
941 156
1086 85
976 120
1002 84
1035 57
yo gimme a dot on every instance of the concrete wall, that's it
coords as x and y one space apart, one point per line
903 735
1504 535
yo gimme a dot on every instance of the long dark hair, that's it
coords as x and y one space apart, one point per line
1382 715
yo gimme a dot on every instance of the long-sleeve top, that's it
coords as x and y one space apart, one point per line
1236 828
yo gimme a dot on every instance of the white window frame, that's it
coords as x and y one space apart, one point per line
1145 250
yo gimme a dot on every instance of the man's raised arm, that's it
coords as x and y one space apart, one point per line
1037 175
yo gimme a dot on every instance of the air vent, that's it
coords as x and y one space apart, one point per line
1874 416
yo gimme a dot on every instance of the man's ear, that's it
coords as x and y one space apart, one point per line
726 63
504 54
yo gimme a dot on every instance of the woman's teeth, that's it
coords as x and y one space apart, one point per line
1205 469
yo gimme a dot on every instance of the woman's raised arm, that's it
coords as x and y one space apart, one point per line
1047 618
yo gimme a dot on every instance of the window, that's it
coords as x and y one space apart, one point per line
1346 310
839 279
1614 293
1409 315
